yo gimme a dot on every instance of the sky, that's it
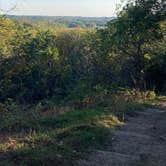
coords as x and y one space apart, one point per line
90 8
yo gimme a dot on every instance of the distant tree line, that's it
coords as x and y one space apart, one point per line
62 22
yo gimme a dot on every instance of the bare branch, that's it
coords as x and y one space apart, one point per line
5 13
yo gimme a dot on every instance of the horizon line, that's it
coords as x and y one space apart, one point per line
61 16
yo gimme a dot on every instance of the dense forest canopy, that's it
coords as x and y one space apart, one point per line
68 64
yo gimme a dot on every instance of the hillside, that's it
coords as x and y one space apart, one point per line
65 21
84 90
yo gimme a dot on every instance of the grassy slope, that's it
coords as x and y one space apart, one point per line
29 138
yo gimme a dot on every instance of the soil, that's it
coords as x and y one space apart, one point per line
141 141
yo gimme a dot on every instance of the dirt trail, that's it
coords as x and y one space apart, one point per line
140 142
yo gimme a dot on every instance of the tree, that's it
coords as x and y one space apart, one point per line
156 71
6 32
32 72
137 26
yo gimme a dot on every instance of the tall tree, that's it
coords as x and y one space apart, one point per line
137 26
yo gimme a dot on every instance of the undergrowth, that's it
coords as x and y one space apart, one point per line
28 137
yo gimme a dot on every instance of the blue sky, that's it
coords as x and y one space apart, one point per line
62 7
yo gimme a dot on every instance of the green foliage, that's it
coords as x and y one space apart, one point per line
68 65
18 121
99 71
6 31
33 73
129 38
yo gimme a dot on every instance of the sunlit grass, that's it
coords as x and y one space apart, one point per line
60 139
